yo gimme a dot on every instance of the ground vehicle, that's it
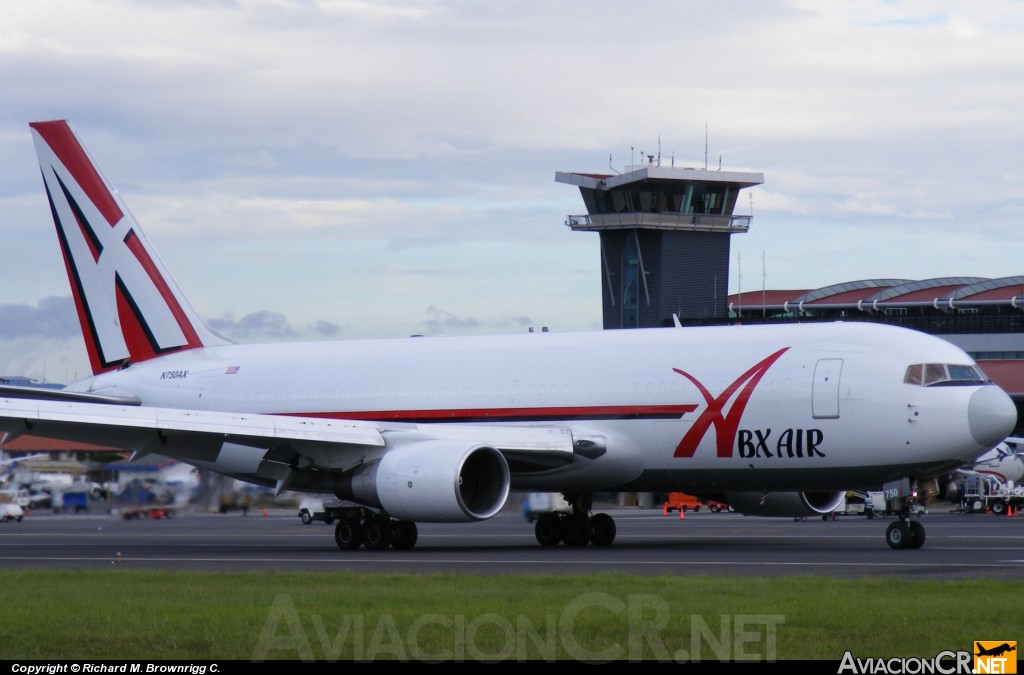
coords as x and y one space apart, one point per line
20 497
11 511
680 501
154 512
868 504
77 502
537 503
327 511
716 506
989 494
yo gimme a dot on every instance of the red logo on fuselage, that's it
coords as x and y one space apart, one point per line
727 424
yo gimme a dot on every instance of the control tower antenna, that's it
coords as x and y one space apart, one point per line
705 145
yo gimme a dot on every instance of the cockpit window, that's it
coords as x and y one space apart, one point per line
944 374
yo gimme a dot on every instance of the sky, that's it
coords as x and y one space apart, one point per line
345 169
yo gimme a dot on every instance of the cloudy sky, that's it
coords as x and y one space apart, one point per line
344 169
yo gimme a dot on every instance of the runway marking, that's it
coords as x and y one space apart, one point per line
133 560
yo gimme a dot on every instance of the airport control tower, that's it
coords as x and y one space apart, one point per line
664 240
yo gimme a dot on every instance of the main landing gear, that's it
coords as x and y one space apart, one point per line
376 532
577 528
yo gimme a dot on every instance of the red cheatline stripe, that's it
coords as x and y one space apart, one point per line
62 141
502 413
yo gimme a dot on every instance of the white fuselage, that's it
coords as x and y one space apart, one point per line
811 406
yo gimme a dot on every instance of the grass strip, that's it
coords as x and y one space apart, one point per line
126 614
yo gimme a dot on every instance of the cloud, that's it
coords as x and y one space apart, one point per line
265 325
885 131
51 317
440 321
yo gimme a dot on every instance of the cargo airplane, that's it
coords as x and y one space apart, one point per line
775 420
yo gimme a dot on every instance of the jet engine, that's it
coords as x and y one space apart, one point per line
791 504
437 481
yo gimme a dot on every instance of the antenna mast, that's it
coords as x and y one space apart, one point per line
764 282
705 145
739 284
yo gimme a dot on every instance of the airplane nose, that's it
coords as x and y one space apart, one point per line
991 415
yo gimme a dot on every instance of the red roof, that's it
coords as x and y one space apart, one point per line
37 444
1008 374
767 297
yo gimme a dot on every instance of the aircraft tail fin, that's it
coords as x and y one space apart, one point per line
129 306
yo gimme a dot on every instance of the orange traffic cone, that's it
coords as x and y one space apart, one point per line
664 509
264 511
682 513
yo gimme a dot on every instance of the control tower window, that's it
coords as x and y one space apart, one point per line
630 284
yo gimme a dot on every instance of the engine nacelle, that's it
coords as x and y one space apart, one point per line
791 504
438 481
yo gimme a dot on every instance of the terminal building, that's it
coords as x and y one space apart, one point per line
665 252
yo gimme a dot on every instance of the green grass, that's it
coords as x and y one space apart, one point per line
120 613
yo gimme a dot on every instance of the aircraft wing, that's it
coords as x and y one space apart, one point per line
41 394
199 435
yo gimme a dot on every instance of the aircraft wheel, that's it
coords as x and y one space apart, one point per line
347 535
548 530
602 528
405 535
898 535
577 530
916 535
377 534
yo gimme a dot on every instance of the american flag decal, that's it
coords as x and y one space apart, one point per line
232 370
